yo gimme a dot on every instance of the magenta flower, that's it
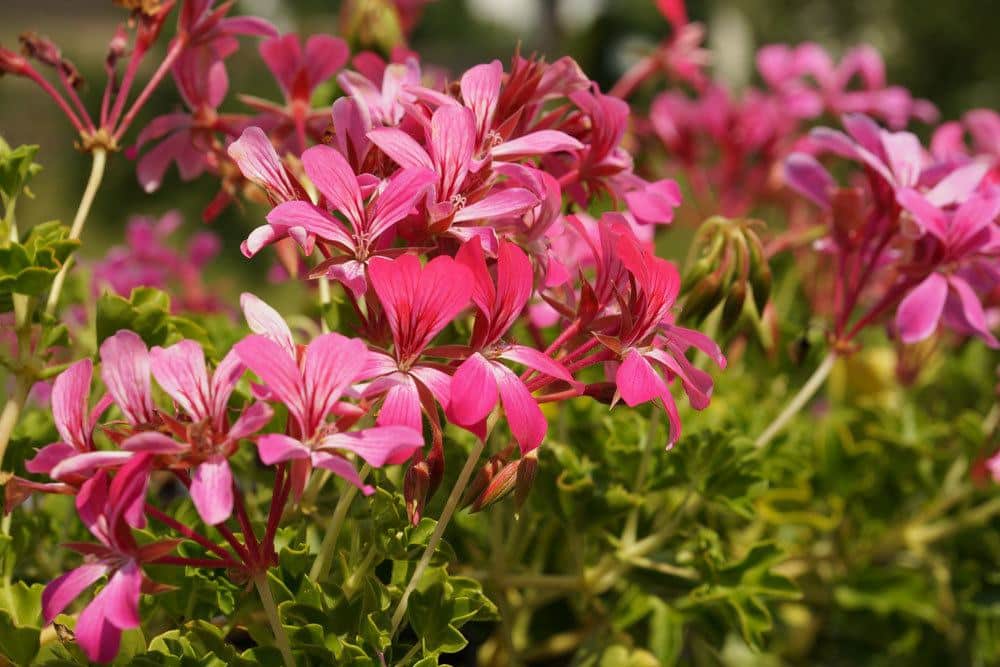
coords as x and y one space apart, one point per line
462 192
382 101
312 391
104 509
259 163
418 303
298 72
481 379
962 247
70 397
209 439
342 192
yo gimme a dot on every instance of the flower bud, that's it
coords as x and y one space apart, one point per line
45 51
12 62
482 480
732 309
500 486
526 470
416 482
602 392
703 298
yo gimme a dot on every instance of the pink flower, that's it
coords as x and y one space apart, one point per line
961 247
312 390
481 379
70 397
299 72
342 192
104 509
418 303
259 163
209 439
462 192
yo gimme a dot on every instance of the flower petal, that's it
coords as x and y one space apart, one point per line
920 311
334 177
70 393
265 320
125 370
474 391
212 490
275 448
378 445
180 370
524 417
67 587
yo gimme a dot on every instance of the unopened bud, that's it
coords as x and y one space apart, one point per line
527 468
703 298
12 62
602 392
500 486
482 480
416 483
732 310
45 51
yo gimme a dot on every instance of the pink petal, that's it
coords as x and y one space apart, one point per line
70 394
637 380
687 338
342 468
805 175
524 417
401 407
331 364
334 177
48 457
920 310
401 148
958 185
536 143
252 420
325 55
539 361
474 391
971 310
453 136
282 55
312 219
480 87
95 634
265 320
928 217
125 370
277 370
510 201
397 199
154 443
85 463
655 204
905 155
224 379
275 448
120 598
254 154
212 490
67 587
160 126
378 445
436 381
180 370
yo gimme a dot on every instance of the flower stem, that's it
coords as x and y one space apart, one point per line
264 589
100 157
808 390
321 566
449 509
11 413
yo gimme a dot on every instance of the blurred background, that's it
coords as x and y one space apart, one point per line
946 52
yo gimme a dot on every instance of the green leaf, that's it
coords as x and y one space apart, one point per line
146 312
18 644
17 167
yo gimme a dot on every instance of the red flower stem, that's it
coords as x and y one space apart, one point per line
195 562
33 74
242 550
567 333
557 396
125 88
249 538
282 487
168 520
580 351
176 48
886 302
542 382
76 101
860 285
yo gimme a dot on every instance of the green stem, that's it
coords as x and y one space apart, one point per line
808 390
264 589
90 191
11 413
449 509
321 566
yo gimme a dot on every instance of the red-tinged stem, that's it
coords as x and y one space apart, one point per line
242 550
557 396
176 48
249 537
187 532
300 125
77 102
580 351
32 74
634 77
106 99
860 285
886 302
195 562
597 357
567 333
282 487
125 88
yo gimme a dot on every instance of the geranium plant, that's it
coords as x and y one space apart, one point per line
495 418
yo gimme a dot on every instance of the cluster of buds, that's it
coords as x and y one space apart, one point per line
500 477
727 268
